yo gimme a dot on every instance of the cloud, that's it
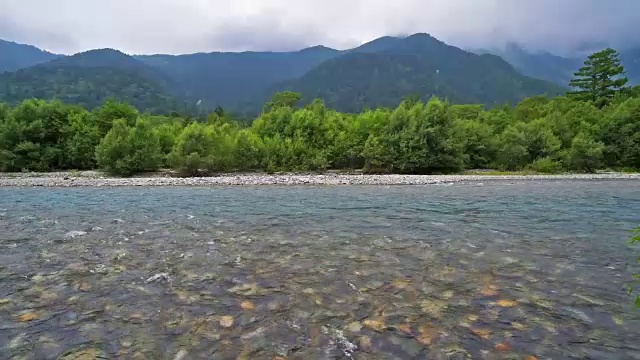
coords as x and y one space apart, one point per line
183 26
11 30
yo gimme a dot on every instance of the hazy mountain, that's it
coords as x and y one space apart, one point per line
379 73
558 69
377 45
390 69
14 56
89 78
631 60
229 79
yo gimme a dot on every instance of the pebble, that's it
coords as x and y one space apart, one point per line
96 179
74 233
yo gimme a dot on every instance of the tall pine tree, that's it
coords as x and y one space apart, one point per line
601 77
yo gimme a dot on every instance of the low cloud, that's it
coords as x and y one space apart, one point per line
178 26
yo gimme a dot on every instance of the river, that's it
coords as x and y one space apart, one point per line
500 270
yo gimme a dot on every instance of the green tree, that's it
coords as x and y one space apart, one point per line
621 135
81 141
601 77
110 111
585 154
167 134
478 141
512 153
219 111
248 151
203 148
34 135
127 150
283 99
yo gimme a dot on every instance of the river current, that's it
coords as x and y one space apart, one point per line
500 270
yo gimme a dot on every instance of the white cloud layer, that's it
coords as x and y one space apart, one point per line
186 26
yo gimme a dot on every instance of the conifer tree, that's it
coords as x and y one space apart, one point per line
601 77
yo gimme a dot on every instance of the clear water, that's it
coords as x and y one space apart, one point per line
501 270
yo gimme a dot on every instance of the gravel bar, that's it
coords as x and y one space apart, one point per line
95 179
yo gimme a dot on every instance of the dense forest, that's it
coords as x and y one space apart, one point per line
593 127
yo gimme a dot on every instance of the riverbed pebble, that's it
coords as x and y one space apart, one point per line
95 179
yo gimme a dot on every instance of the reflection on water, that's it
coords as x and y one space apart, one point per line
520 270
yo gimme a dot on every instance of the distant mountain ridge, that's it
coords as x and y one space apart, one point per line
378 73
558 69
229 79
383 72
14 56
89 79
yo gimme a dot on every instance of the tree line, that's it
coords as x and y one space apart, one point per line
597 126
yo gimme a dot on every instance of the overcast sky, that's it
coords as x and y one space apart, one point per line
187 26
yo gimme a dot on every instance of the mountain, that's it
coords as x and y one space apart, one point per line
89 78
14 56
383 72
630 58
541 65
558 69
379 73
230 79
377 45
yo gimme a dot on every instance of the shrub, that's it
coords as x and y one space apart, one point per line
546 165
125 150
194 150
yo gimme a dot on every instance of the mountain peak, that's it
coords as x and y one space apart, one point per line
318 48
420 36
97 58
101 51
377 45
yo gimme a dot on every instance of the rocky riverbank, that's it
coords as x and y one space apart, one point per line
97 179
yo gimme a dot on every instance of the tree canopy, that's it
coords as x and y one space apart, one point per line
600 79
540 134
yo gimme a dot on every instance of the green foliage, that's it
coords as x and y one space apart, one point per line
202 148
167 134
546 165
621 135
194 150
601 77
32 135
539 134
478 142
249 151
418 138
585 154
127 150
81 140
104 116
283 99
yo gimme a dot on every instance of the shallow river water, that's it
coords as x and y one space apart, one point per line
501 270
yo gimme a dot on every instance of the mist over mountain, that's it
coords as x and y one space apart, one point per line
559 69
